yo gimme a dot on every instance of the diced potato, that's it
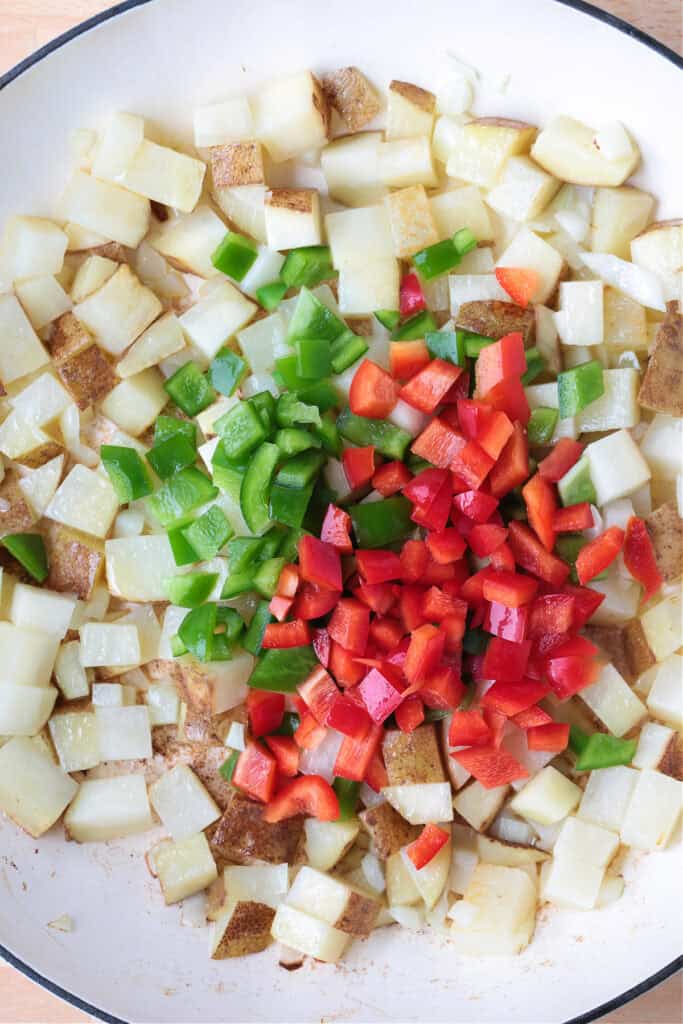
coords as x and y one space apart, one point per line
162 339
137 566
665 527
485 146
580 319
625 326
163 704
328 841
567 149
182 802
118 145
653 811
235 164
524 190
33 789
358 235
401 887
308 935
422 802
240 929
412 758
183 868
412 224
363 288
244 205
663 626
112 695
265 268
88 375
586 842
571 882
617 466
24 441
530 251
135 403
292 218
617 407
660 247
265 883
479 806
164 175
352 96
31 247
21 351
430 880
621 599
468 289
81 238
228 121
120 311
92 274
612 889
410 111
406 162
24 710
106 643
41 401
545 396
662 445
75 562
124 733
663 380
607 795
665 699
71 677
462 208
351 169
43 299
36 608
109 809
656 748
446 136
619 214
216 317
106 209
291 116
497 914
188 241
333 901
40 485
86 501
387 829
510 854
548 797
75 738
28 655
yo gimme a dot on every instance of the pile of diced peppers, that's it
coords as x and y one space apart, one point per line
458 590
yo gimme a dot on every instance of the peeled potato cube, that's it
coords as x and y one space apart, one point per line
124 733
109 644
412 225
166 176
119 311
188 241
265 883
135 402
31 247
344 908
619 214
109 809
664 700
308 934
663 626
497 913
410 111
606 796
24 710
21 351
33 789
571 882
291 116
431 879
183 868
292 218
653 811
613 701
660 247
479 806
328 841
530 251
75 738
404 162
524 190
586 842
351 169
137 566
484 147
548 797
182 802
567 148
106 209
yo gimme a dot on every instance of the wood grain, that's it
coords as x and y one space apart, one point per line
24 26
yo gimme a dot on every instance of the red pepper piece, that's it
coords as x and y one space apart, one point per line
531 717
255 772
571 674
344 667
410 713
424 653
499 362
564 455
496 722
386 633
336 529
531 555
378 566
411 296
319 693
573 518
490 766
472 465
438 443
309 794
521 283
312 601
349 718
598 554
507 623
319 563
639 557
286 754
279 635
288 583
502 559
356 756
406 358
280 607
411 603
309 733
379 694
435 515
468 729
444 689
375 773
359 465
586 603
379 597
265 711
446 546
373 391
495 432
578 646
430 840
513 698
436 574
552 737
505 661
485 538
472 590
454 627
426 390
391 478
508 396
508 588
476 505
437 605
512 467
321 646
424 488
551 613
541 503
349 625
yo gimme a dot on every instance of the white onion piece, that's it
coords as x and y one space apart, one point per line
573 223
70 424
320 760
260 382
372 869
407 418
597 528
638 283
533 760
368 796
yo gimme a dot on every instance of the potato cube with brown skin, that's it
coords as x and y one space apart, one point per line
243 837
662 385
495 318
671 762
17 516
410 110
611 639
486 144
387 829
88 376
75 562
665 527
412 757
38 456
68 336
411 221
242 928
352 96
292 218
237 163
344 907
637 649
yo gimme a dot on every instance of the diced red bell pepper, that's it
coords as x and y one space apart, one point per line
312 601
505 661
349 718
560 460
541 503
336 529
476 505
424 488
444 689
639 557
531 555
265 711
309 733
319 563
495 432
435 515
513 698
376 773
355 757
288 582
531 717
386 633
406 358
446 546
379 597
424 653
552 738
411 296
411 603
472 590
598 554
579 646
373 391
497 723
454 627
507 623
485 538
255 772
521 283
425 848
378 566
551 613
437 605
571 674
490 766
308 794
436 573
438 443
502 559
379 694
508 588
286 754
359 465
391 478
586 603
349 624
426 390
573 518
344 667
508 396
280 635
321 645
280 607
512 466
319 693
468 729
499 362
410 713
472 465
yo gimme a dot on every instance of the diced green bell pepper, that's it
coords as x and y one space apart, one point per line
241 430
348 793
29 551
289 505
196 631
417 327
578 387
313 358
208 533
183 553
227 474
541 425
387 439
189 388
292 440
242 552
346 350
171 455
436 259
271 295
307 266
281 670
447 345
328 434
474 343
235 256
227 769
226 371
190 590
475 641
266 576
270 544
286 374
377 524
237 583
127 472
389 318
464 241
577 485
170 426
322 394
299 471
181 495
535 366
265 405
289 547
292 412
256 485
600 750
253 638
312 319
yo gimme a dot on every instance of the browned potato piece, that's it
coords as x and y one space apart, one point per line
672 760
300 200
195 687
662 385
39 456
611 640
242 836
247 930
67 337
387 829
237 163
412 757
362 325
411 221
75 561
638 652
19 516
665 527
111 251
359 915
495 318
352 96
421 98
88 376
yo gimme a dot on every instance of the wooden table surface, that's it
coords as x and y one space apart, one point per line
28 24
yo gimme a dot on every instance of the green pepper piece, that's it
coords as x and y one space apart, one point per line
307 266
183 553
447 345
387 439
475 641
601 750
235 256
271 295
241 430
281 670
289 505
313 358
389 318
300 471
291 412
380 523
196 631
541 425
328 434
474 343
464 241
578 387
127 472
312 319
232 622
346 350
181 495
227 769
417 327
256 485
322 393
190 389
171 455
266 576
190 590
170 426
436 259
237 583
264 404
242 552
293 440
29 551
286 374
535 366
416 464
270 544
289 724
253 638
513 506
209 532
226 371
348 793
577 485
